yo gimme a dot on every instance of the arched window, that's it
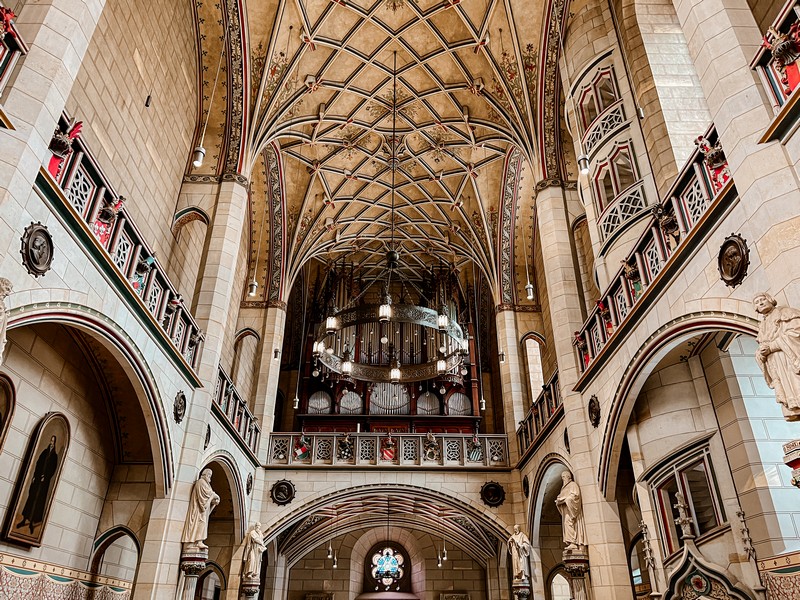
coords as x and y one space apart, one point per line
614 175
597 96
387 568
640 576
533 354
559 588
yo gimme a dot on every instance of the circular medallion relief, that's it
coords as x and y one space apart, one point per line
733 260
37 249
282 492
493 494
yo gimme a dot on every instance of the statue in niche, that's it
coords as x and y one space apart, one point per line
778 352
253 549
569 505
202 501
5 289
519 546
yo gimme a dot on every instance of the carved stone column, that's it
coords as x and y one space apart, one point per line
250 587
576 562
521 588
192 564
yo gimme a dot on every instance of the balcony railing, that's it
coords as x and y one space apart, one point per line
777 64
446 450
102 212
606 123
630 203
235 413
543 412
776 60
12 47
699 184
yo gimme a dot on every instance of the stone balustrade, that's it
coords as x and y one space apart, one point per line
235 414
96 214
544 411
699 186
346 450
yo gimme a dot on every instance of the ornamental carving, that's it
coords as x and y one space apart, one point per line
236 90
493 494
715 161
277 227
37 249
668 224
594 411
507 215
249 485
785 49
282 492
733 260
179 407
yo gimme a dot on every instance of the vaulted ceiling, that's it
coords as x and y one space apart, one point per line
319 87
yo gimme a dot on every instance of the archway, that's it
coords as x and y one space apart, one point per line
547 538
441 534
74 372
119 350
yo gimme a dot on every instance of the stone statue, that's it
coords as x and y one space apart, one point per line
201 503
5 289
519 546
253 549
569 505
778 352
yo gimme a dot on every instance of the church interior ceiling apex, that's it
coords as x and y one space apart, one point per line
311 91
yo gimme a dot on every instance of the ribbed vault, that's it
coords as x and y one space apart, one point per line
378 506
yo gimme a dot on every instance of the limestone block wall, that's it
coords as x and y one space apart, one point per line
143 150
315 573
49 374
675 82
653 124
754 431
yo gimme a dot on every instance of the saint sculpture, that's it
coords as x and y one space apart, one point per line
519 546
569 505
253 549
778 352
201 503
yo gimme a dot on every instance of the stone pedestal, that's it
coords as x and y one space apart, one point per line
250 587
193 562
521 588
791 452
576 562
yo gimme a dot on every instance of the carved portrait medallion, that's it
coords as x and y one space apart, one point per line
594 411
282 492
37 249
493 494
733 260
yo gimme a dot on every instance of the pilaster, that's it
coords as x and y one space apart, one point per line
607 554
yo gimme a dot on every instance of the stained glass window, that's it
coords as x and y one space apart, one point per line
387 568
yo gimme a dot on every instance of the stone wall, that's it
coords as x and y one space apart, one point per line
138 50
50 374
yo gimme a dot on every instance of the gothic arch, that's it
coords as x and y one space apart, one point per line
122 347
234 481
641 366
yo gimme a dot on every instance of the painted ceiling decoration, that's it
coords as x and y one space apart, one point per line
312 79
